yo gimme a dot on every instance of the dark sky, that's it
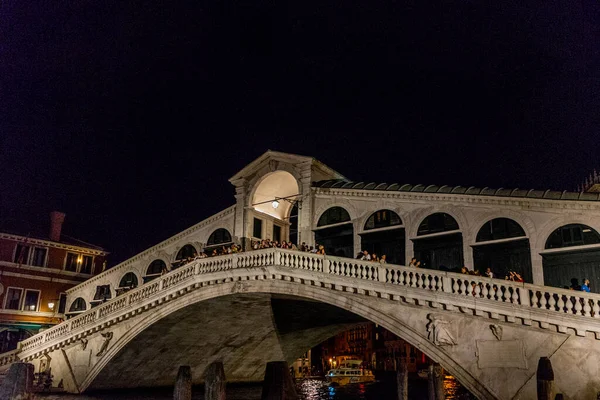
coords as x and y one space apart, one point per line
131 116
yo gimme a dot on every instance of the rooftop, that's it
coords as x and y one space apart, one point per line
420 188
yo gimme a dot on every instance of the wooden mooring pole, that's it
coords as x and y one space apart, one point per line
402 380
215 382
183 384
278 384
545 379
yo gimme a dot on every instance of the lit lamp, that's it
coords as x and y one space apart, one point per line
51 305
32 307
275 204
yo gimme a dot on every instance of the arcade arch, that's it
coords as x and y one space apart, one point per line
335 232
439 242
383 233
154 270
570 255
502 245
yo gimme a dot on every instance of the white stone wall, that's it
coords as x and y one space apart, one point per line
166 251
538 218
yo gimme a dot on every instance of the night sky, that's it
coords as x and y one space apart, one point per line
131 116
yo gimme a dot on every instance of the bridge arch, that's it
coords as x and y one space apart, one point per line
355 304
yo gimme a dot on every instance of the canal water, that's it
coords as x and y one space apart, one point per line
309 389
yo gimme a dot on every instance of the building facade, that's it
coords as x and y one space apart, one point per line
35 274
547 237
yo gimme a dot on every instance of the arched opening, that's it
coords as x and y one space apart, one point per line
439 243
154 270
570 257
77 306
502 246
128 281
384 235
220 236
335 232
276 194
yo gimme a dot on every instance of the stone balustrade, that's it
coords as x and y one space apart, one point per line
547 306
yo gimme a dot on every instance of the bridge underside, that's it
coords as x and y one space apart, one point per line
242 330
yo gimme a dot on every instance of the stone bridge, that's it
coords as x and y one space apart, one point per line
249 308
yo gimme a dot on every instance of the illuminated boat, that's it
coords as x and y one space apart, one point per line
350 371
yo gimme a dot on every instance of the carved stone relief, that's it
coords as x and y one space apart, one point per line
107 338
440 331
497 331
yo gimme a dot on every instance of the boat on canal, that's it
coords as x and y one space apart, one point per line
350 371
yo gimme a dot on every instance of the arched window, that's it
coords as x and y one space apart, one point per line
438 222
219 236
129 280
186 251
499 228
78 305
382 219
156 267
572 235
334 215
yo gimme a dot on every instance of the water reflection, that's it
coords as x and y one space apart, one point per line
308 389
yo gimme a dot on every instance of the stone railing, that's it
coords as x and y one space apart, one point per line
9 357
546 305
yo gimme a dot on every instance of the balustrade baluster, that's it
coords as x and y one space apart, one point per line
485 291
455 286
560 304
477 290
595 309
552 302
578 306
586 307
515 296
543 301
463 287
419 281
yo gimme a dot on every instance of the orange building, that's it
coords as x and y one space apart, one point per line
35 272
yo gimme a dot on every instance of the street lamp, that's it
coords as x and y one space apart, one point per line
51 305
275 204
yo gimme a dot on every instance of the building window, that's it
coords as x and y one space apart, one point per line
129 280
21 254
334 215
276 232
500 228
187 251
438 222
13 299
257 231
38 258
71 262
572 235
382 219
219 236
32 299
78 305
62 303
86 265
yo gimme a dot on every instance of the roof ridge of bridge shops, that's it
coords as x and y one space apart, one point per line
445 189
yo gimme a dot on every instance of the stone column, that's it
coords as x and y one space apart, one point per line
239 229
537 268
183 384
467 253
214 382
18 382
545 379
305 214
278 384
402 381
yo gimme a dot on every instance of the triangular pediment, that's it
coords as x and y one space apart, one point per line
289 158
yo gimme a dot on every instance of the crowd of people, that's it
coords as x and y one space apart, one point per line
364 255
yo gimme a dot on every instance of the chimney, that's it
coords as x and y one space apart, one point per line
56 220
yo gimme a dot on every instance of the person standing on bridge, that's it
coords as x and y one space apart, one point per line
586 286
